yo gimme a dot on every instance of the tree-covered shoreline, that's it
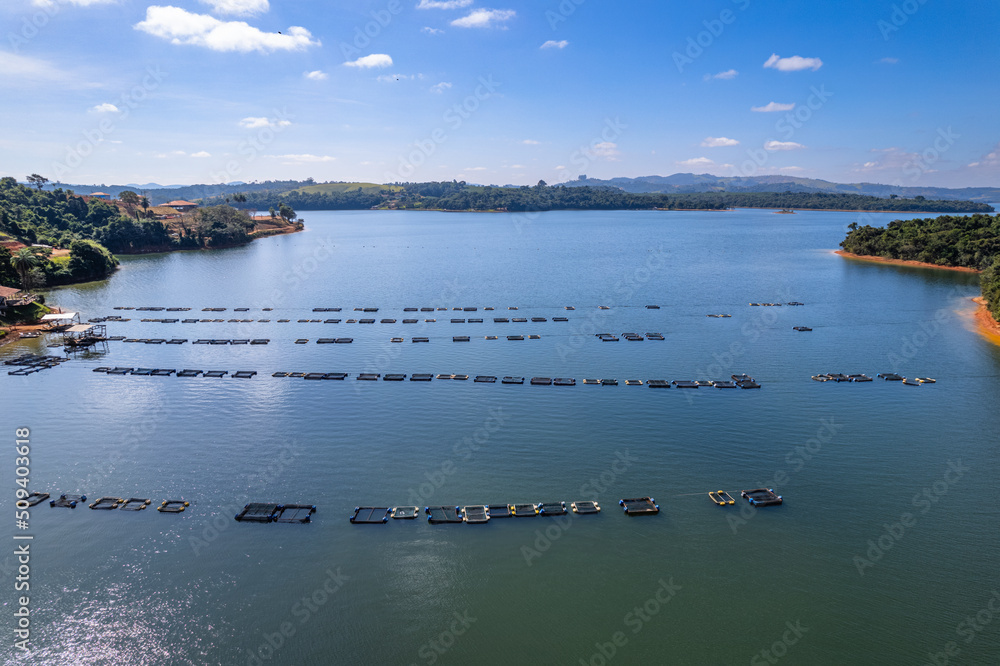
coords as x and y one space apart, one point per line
949 240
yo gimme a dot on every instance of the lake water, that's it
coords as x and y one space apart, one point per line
886 543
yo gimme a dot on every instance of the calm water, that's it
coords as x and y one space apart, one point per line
697 584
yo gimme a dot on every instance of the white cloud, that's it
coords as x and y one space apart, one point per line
431 31
724 76
443 4
530 142
238 7
697 162
793 64
607 150
772 106
104 108
475 168
484 18
888 61
316 75
782 145
553 44
305 159
13 65
718 142
516 166
253 122
202 153
440 87
380 60
172 153
892 159
182 27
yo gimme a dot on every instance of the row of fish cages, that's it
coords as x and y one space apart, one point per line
862 378
107 503
370 309
29 364
632 337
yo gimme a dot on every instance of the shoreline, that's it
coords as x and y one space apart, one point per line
986 325
903 262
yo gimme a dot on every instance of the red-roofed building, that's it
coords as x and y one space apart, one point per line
181 206
100 195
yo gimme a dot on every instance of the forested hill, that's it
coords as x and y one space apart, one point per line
462 196
971 241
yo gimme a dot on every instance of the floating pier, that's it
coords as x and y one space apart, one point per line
552 508
443 514
370 515
761 497
639 506
585 507
477 513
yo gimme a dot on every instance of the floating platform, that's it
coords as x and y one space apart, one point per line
107 503
633 382
890 376
515 337
863 378
658 383
460 378
501 320
609 382
421 377
302 341
652 307
458 321
217 374
135 504
591 381
538 319
369 376
748 384
512 380
801 328
173 506
326 341
585 507
244 374
923 380
524 510
420 340
443 514
724 385
370 515
394 377
564 381
534 337
295 513
460 338
338 376
721 497
519 320
499 510
639 506
560 319
485 379
36 498
404 512
477 513
910 382
654 336
552 508
67 501
541 381
344 341
761 497
258 512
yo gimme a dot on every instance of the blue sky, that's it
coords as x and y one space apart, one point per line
190 91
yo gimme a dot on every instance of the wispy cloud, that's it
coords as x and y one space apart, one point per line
724 76
305 158
484 18
606 149
771 107
440 87
179 26
104 108
254 122
238 7
782 145
379 60
475 168
316 75
792 64
443 4
78 3
887 61
201 154
553 44
431 31
697 162
718 142
530 142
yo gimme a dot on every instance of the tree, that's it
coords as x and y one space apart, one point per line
8 274
23 261
144 202
131 200
37 181
89 260
272 212
286 212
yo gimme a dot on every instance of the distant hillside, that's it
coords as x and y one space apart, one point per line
161 195
689 182
340 188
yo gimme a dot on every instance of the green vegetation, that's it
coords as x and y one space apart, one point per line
462 196
972 242
24 314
